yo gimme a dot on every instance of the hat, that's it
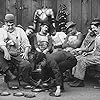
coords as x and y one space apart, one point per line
70 24
46 23
9 18
31 27
95 21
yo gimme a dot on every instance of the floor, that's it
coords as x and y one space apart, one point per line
79 93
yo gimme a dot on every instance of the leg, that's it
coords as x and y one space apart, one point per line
25 71
3 63
80 68
68 63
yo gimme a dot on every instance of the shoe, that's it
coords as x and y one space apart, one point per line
53 94
73 81
78 83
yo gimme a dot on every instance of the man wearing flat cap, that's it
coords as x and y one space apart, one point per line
14 38
89 58
73 39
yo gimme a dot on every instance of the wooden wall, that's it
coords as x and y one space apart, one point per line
81 11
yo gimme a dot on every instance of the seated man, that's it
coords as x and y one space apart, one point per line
53 65
73 39
89 58
87 44
42 40
14 48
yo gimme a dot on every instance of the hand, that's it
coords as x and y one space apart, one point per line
45 51
7 55
24 56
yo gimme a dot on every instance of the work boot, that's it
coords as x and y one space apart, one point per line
77 83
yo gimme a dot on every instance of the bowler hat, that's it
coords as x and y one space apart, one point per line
69 25
9 18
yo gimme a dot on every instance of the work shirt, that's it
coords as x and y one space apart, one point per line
18 36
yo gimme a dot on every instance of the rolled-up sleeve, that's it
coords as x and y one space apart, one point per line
2 38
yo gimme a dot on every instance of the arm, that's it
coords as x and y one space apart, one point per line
6 53
3 46
79 41
25 44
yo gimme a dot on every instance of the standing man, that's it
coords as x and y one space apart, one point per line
14 48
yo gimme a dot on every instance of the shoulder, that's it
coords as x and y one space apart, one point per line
19 29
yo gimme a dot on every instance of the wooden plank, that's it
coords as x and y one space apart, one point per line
2 9
94 9
54 6
98 8
86 15
76 13
11 7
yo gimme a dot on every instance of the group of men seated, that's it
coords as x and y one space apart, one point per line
50 54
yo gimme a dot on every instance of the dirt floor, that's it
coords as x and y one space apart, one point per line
79 93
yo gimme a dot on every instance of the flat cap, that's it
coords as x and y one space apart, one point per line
70 24
9 18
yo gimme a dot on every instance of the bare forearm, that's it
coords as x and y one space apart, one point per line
4 48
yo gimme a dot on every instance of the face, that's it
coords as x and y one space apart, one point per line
10 26
94 29
29 32
72 30
44 28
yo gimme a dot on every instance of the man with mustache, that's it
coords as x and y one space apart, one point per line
89 58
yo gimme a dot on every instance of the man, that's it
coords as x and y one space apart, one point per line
89 58
42 41
53 65
73 39
14 48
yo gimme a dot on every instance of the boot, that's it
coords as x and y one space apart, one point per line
77 83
